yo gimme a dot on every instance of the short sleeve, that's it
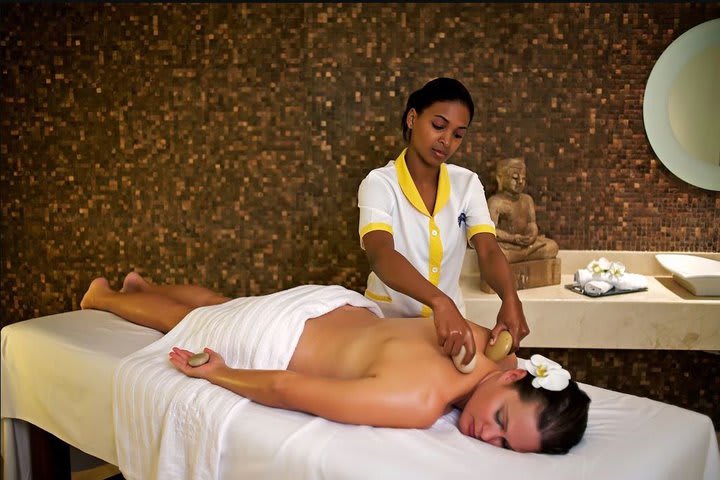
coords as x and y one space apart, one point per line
477 213
376 203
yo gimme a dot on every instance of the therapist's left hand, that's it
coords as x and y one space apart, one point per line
511 318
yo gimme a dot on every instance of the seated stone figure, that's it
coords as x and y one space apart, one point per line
514 215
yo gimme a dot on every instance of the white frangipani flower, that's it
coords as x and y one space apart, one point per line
599 266
616 269
548 374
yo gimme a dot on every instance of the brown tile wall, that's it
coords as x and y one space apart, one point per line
223 144
688 379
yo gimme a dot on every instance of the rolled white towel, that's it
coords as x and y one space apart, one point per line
630 281
596 287
584 275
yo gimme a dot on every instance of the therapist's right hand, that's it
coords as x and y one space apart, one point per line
453 330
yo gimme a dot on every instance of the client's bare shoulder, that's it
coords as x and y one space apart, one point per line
482 338
414 361
388 372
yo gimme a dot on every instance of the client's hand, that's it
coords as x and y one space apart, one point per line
179 358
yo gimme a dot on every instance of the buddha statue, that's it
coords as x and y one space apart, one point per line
514 215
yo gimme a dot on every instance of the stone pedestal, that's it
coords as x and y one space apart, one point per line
531 274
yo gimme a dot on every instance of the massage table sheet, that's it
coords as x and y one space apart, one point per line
57 373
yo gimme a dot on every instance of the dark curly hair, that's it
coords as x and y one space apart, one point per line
441 89
563 417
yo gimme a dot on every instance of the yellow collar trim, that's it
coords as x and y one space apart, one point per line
411 192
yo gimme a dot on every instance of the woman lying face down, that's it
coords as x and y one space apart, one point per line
353 367
503 409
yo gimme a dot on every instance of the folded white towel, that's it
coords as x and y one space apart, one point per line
168 425
626 281
630 281
597 287
584 275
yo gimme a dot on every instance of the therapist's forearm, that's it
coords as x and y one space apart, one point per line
496 272
399 274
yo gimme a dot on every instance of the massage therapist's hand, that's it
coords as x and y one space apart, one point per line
453 330
511 318
179 358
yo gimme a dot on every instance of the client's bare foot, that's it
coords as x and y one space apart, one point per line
97 287
134 283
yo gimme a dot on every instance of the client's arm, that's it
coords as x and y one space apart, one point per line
378 400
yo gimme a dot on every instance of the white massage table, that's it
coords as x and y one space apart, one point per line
57 374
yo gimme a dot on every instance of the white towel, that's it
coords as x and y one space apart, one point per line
597 287
630 281
170 426
626 281
584 275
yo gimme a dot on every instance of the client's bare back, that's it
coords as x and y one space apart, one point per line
352 342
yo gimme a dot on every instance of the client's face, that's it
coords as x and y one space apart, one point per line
496 415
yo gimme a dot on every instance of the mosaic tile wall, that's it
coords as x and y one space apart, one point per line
687 379
223 144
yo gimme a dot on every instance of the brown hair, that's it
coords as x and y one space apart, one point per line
564 415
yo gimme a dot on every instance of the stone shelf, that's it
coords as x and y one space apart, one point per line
665 317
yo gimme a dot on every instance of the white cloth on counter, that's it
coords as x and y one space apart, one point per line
169 425
630 281
597 287
626 281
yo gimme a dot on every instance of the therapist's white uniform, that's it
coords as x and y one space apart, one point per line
434 244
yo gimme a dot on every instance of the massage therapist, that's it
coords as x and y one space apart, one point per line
417 215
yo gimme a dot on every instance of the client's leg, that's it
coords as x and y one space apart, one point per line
148 309
192 295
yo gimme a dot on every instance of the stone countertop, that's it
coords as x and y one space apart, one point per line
665 317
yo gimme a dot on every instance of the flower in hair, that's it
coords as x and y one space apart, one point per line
548 374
